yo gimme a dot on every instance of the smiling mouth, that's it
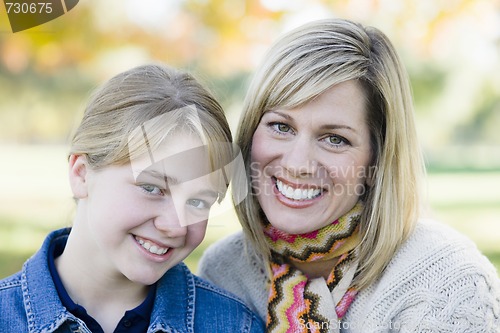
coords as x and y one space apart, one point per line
151 247
297 193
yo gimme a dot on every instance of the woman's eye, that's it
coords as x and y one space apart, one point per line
280 127
336 140
152 189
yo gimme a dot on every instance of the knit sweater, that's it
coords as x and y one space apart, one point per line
437 282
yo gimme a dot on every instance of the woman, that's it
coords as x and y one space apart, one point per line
332 235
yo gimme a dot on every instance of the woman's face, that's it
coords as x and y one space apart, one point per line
310 163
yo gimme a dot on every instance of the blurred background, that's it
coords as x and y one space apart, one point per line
451 49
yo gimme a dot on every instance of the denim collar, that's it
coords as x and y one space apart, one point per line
173 310
44 309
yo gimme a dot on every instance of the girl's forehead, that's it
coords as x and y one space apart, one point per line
180 156
176 143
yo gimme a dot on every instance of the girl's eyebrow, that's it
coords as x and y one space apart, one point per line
208 193
324 127
161 176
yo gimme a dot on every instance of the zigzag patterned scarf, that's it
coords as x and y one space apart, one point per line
299 304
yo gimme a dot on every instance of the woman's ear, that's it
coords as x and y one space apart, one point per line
370 177
78 168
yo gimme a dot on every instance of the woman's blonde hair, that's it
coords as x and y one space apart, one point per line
135 97
303 64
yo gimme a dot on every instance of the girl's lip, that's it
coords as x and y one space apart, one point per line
153 242
159 258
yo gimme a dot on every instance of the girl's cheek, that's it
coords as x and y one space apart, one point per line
197 233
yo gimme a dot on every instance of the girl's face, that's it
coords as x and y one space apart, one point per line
138 224
310 163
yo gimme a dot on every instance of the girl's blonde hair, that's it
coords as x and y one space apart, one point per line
136 97
303 64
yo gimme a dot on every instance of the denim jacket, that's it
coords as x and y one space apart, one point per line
184 303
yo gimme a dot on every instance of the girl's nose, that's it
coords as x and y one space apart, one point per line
169 221
169 229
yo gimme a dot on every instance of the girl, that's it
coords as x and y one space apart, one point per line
333 234
144 168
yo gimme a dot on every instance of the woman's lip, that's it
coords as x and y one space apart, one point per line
297 204
298 186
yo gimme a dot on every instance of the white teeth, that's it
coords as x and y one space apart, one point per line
152 248
296 194
280 185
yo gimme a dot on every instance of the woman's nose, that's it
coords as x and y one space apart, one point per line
299 160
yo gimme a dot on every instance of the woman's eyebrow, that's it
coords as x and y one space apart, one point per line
334 127
324 127
281 114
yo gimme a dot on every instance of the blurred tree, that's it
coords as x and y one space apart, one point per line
451 49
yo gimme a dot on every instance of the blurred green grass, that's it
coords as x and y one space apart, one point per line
35 199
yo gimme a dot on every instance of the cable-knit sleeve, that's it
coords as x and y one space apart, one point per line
437 283
466 299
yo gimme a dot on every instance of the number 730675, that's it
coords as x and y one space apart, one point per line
28 8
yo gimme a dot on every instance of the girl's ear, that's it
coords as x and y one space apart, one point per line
78 167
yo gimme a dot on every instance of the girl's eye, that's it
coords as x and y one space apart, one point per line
152 189
199 204
280 127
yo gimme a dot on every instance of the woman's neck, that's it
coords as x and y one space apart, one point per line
316 269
